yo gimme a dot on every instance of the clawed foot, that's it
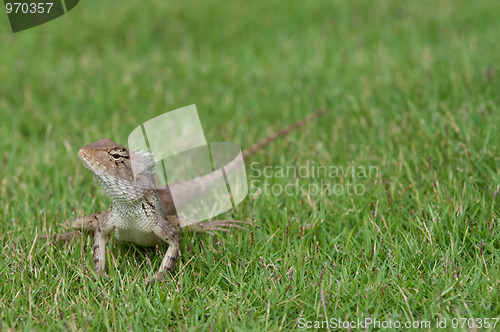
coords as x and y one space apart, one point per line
160 278
99 275
68 236
218 225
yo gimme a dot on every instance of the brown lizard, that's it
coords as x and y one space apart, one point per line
140 213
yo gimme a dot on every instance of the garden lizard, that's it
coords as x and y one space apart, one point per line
140 213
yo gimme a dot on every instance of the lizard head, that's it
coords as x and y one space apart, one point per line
106 158
112 165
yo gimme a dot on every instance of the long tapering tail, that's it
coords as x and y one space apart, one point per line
186 195
265 141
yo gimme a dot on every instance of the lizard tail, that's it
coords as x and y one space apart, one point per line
186 195
263 142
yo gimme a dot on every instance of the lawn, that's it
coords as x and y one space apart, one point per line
400 222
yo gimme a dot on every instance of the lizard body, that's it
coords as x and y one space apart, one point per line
140 213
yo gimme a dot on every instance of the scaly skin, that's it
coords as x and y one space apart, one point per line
136 214
140 213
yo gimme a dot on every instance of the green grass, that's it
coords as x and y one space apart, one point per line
411 87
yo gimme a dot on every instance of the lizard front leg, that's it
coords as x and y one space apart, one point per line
101 235
168 233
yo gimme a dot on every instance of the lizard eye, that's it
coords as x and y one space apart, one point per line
118 154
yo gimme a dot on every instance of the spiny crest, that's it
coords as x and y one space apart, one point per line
143 166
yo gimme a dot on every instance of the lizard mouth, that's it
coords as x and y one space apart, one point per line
86 159
92 164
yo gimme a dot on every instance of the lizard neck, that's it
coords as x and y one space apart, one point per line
123 192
